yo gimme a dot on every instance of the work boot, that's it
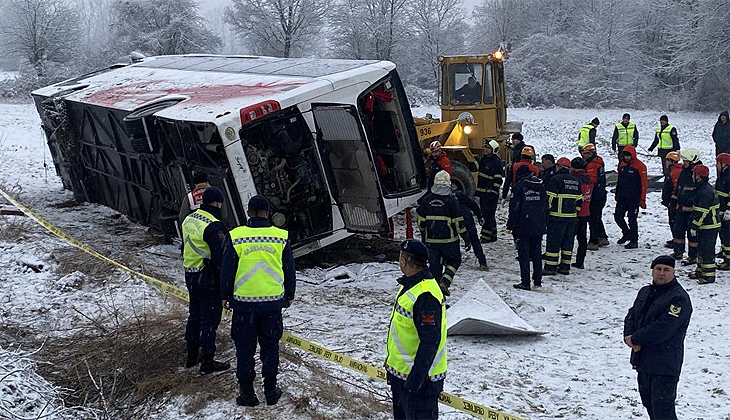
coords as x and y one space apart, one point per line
444 285
548 271
705 280
248 396
484 267
563 270
694 275
577 265
689 261
538 283
623 240
208 365
724 266
592 247
271 391
521 286
193 355
677 255
632 245
669 244
603 242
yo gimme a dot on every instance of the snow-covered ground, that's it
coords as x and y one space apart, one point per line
580 370
7 75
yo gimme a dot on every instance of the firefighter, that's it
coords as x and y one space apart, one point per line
194 198
666 139
468 208
587 133
706 222
669 191
625 133
597 172
488 184
722 187
685 199
517 144
527 216
630 195
439 161
527 157
581 227
440 222
564 203
204 241
258 280
416 348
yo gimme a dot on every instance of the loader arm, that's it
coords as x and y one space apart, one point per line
428 130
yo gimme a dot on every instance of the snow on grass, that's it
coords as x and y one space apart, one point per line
8 75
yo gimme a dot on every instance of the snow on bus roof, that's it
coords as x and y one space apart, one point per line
213 84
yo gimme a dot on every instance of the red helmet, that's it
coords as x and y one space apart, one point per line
723 158
564 161
701 170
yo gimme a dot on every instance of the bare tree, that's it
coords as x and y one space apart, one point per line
282 28
40 31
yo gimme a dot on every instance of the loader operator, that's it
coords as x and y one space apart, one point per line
204 239
470 93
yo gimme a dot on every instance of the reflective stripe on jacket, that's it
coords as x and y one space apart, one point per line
195 249
625 134
260 274
665 137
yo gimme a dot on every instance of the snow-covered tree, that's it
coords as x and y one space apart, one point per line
40 31
162 27
280 28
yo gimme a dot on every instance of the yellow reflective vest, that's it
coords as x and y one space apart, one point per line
584 135
625 134
665 137
195 249
260 273
403 338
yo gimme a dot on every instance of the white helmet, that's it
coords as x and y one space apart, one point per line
691 155
493 144
442 178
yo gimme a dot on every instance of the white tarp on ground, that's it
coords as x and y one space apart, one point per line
482 312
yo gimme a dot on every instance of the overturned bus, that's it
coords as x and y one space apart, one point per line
330 143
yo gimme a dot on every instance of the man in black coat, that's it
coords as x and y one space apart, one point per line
655 328
721 134
488 184
527 217
469 208
722 187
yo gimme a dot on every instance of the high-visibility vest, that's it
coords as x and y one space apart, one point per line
403 338
665 137
260 274
584 134
195 249
625 134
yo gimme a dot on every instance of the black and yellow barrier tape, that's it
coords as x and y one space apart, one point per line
469 407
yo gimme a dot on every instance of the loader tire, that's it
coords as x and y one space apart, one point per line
462 178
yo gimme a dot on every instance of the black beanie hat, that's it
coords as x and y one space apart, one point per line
664 118
212 195
596 121
663 260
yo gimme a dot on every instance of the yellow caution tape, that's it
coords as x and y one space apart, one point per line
469 407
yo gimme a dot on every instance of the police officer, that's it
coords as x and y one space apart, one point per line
624 134
587 133
488 184
440 222
655 328
527 216
666 138
416 349
722 187
685 200
204 241
258 279
705 224
597 173
564 202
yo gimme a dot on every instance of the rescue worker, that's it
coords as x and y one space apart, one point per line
258 280
666 139
468 208
581 227
706 222
416 348
204 241
722 187
587 133
564 203
527 217
669 191
685 199
488 184
194 198
547 166
625 133
517 144
526 159
630 195
439 161
597 172
654 329
721 134
440 222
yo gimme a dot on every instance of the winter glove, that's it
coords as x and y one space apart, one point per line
726 216
692 232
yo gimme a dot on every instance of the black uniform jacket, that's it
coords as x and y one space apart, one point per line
230 266
439 218
564 195
686 189
722 186
490 176
658 323
528 207
467 206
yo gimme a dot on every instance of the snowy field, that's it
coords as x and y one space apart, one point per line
7 75
580 370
